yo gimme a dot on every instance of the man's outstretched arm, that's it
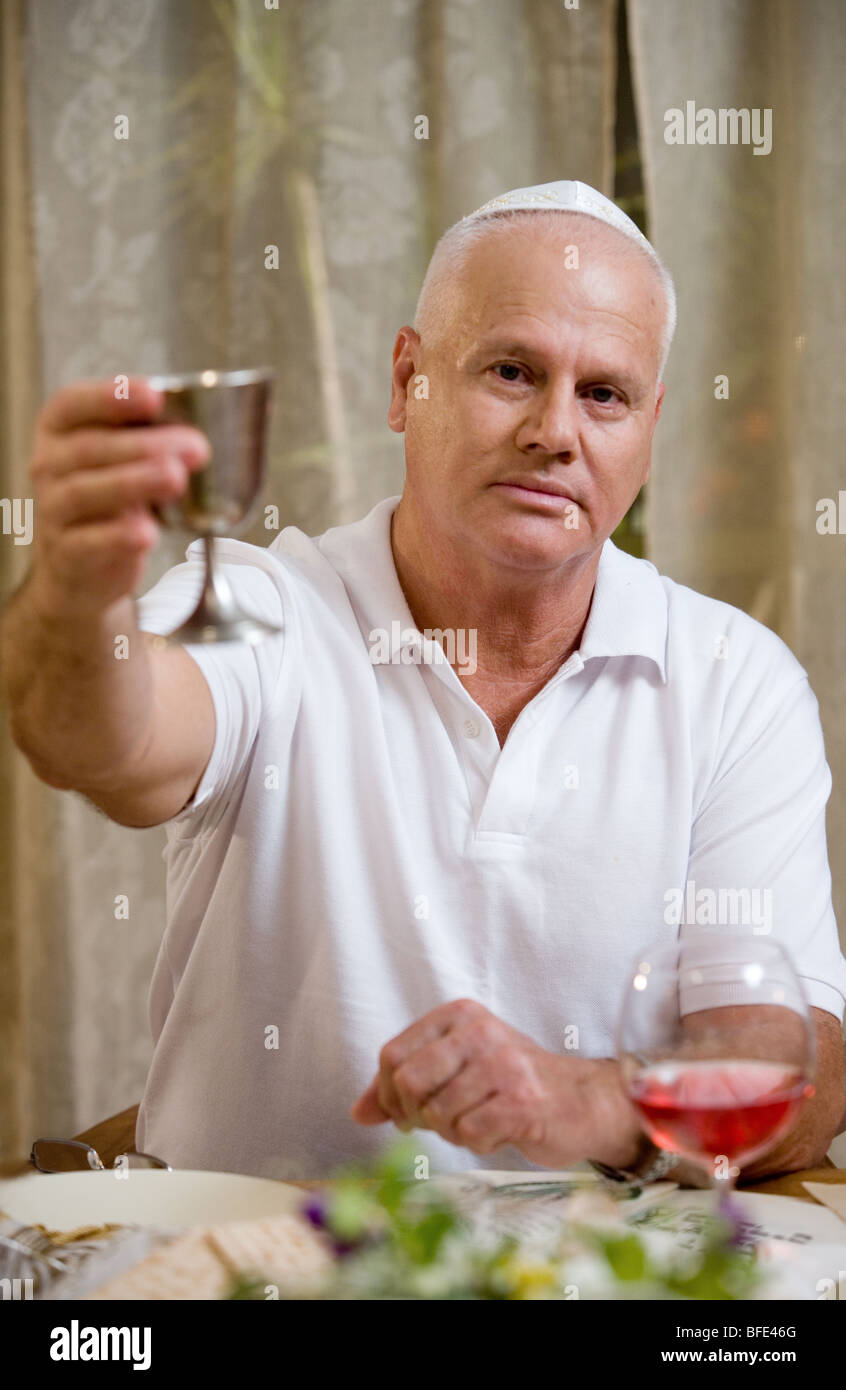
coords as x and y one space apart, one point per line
135 735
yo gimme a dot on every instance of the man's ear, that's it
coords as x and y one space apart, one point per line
659 399
406 355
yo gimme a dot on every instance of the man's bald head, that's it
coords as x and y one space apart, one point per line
441 292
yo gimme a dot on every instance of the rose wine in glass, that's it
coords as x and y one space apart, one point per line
716 1047
686 1109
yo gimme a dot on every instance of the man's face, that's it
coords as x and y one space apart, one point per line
545 377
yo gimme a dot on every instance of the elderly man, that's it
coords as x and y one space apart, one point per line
407 873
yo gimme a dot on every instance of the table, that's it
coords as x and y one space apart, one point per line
116 1135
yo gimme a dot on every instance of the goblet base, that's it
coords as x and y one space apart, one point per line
204 630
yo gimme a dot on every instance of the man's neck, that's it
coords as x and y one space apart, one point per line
526 625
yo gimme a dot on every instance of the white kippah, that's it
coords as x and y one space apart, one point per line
568 195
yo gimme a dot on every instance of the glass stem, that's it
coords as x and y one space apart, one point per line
208 581
728 1209
724 1190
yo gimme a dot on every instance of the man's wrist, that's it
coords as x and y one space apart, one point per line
619 1141
623 1152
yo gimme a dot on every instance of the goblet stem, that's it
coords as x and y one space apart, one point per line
216 598
217 617
216 591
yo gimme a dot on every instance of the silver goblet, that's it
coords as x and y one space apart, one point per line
232 409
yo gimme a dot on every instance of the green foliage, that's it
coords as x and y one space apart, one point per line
722 1271
400 1238
626 1256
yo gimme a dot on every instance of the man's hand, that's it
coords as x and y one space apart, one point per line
481 1084
96 478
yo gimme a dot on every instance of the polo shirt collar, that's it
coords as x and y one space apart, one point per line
628 613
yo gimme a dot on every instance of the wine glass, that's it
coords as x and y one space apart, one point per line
232 409
716 1048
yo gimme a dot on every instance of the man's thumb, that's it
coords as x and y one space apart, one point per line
367 1110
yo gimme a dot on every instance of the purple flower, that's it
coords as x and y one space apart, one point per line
314 1211
344 1247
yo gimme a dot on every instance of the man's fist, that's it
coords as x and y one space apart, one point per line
97 478
481 1084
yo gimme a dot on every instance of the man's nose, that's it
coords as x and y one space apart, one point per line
552 426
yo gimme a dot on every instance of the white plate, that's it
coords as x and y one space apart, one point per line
146 1197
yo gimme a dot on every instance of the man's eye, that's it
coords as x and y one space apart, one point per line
508 367
603 395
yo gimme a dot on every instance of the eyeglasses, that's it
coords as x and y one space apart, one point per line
72 1156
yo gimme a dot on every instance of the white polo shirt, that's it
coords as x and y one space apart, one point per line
360 849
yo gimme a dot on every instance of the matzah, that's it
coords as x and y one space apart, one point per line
203 1263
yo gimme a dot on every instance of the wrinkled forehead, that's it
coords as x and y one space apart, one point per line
555 266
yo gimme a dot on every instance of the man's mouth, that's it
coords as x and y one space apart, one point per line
542 492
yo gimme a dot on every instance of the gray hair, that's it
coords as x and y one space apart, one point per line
457 239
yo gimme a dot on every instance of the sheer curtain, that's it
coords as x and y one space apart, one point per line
755 242
222 183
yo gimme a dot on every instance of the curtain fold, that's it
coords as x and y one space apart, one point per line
754 242
215 183
28 898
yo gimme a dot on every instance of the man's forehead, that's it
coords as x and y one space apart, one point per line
613 341
516 295
499 267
